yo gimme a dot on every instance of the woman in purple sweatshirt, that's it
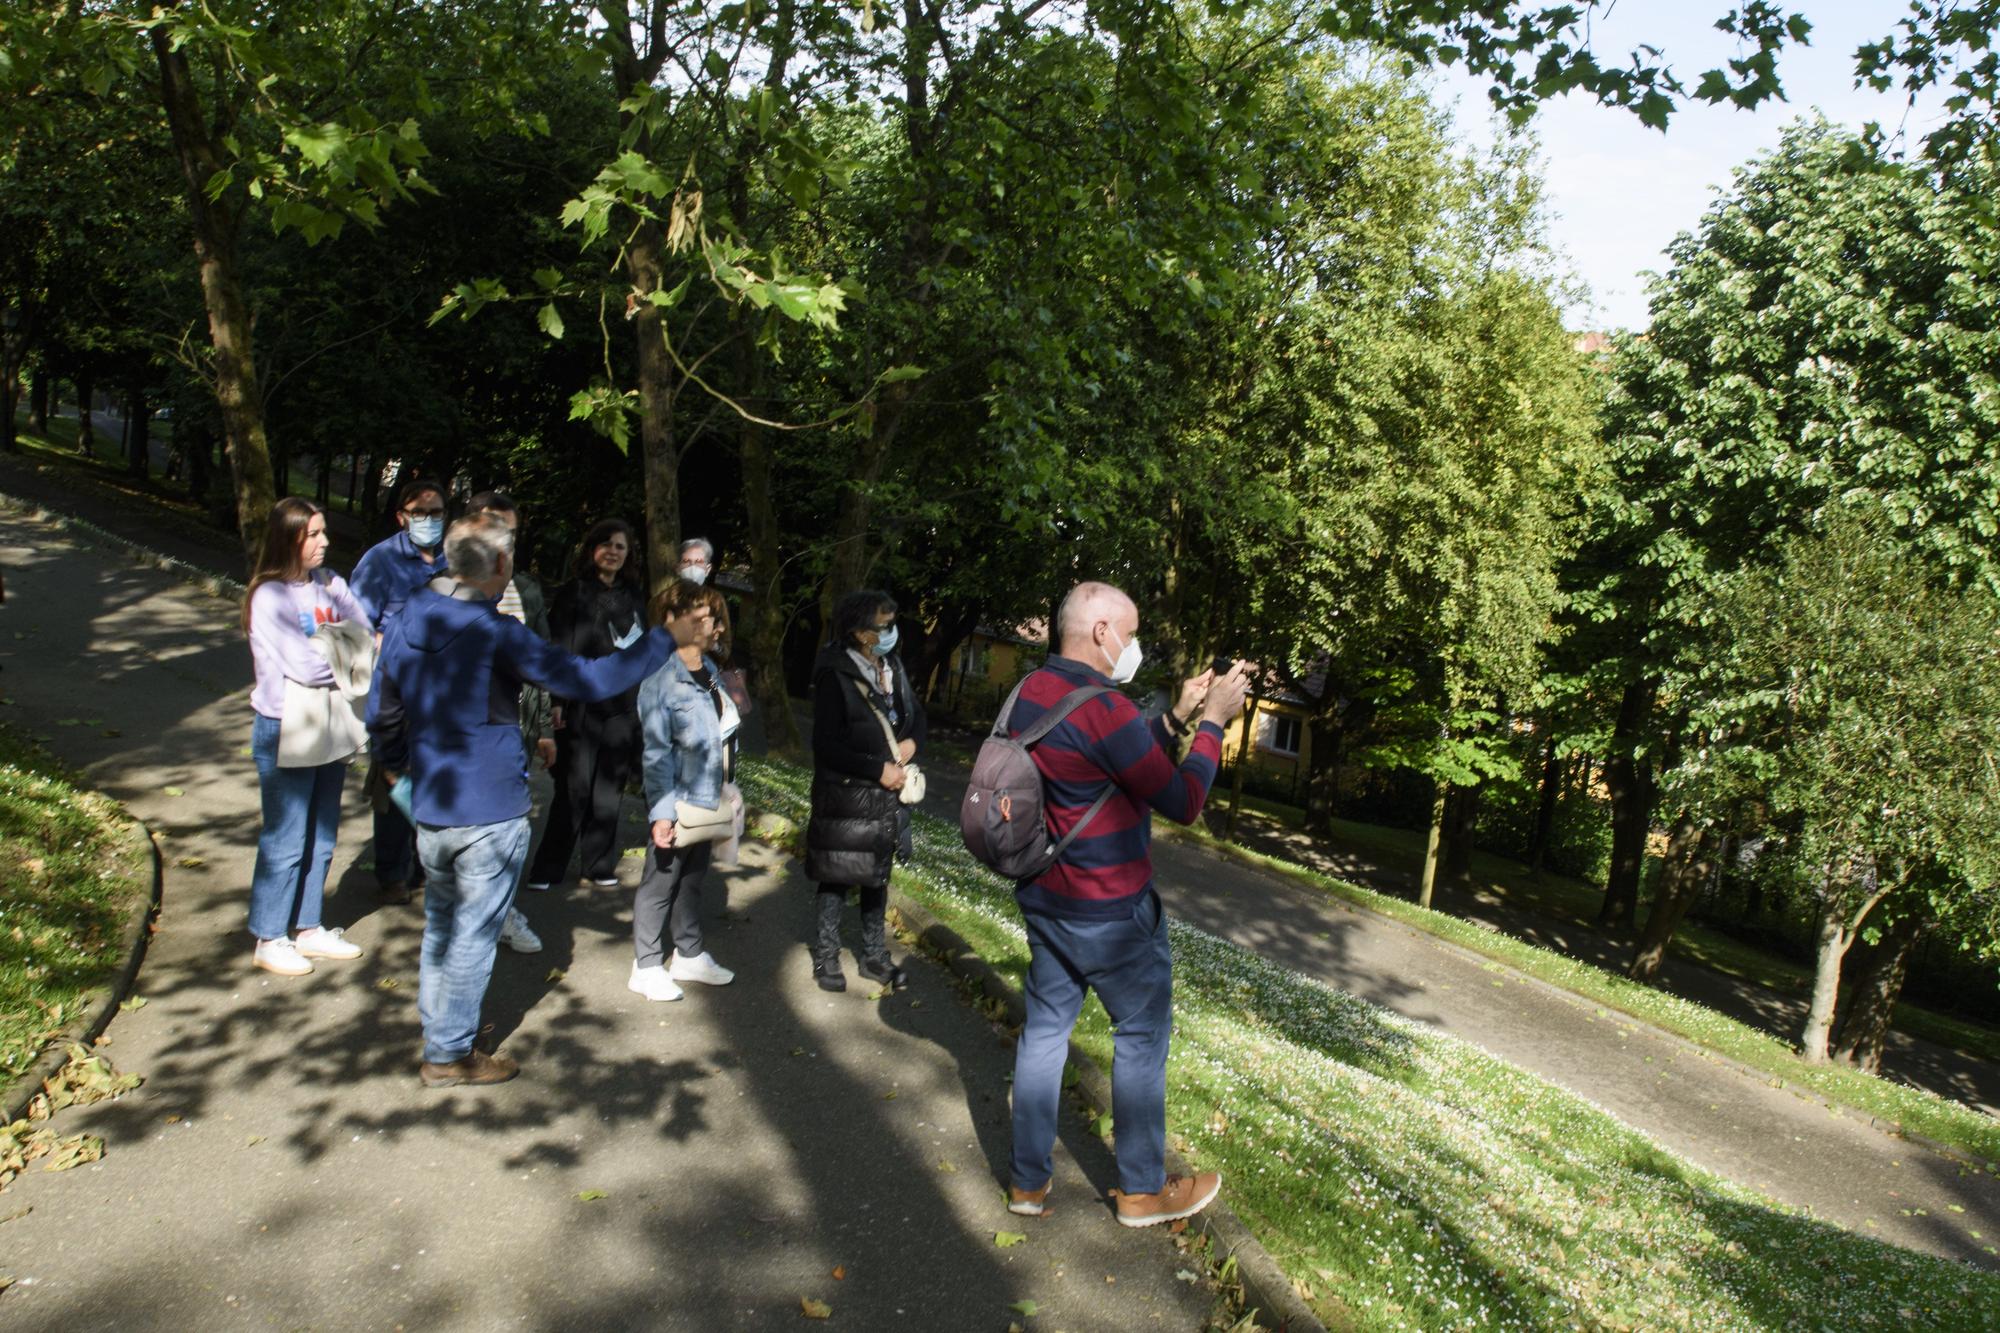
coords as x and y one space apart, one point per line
290 597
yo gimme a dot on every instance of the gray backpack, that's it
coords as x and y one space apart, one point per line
1003 819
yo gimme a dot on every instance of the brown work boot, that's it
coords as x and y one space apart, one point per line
475 1067
1029 1203
1182 1196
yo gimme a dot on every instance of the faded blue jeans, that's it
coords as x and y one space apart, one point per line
472 871
301 819
1128 962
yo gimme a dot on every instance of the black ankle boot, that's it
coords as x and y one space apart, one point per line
879 968
828 974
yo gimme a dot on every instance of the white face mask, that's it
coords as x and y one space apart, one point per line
696 574
1127 665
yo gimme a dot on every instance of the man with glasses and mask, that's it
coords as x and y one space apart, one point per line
1093 919
383 580
697 560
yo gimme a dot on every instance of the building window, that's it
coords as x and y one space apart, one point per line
1283 735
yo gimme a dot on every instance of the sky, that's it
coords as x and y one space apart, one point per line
1619 192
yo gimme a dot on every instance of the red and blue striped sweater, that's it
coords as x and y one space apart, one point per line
1106 740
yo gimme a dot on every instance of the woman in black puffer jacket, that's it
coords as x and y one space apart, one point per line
858 685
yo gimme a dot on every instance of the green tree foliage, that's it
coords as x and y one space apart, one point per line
1854 697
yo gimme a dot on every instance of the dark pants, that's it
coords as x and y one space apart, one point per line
874 934
395 840
592 765
669 903
1128 963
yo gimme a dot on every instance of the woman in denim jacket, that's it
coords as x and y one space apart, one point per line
689 726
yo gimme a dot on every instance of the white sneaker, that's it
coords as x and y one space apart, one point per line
702 967
516 935
653 983
281 956
611 883
319 942
536 886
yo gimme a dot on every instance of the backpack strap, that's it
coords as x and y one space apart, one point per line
1048 722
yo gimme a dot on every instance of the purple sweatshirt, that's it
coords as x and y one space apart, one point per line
280 646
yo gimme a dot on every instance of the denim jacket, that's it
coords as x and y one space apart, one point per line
683 751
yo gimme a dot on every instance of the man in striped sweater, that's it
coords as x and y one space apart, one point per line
1093 919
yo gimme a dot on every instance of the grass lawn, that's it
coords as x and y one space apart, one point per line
1574 902
72 868
1410 1181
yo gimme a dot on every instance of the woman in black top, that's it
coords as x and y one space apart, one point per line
858 684
597 612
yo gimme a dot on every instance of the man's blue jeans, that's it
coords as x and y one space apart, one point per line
472 871
301 819
1128 962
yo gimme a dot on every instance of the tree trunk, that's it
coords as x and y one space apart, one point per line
1243 753
767 564
138 436
216 223
38 404
86 429
1431 844
853 552
1545 808
1862 1026
10 396
1630 779
1461 819
1687 868
196 447
1832 945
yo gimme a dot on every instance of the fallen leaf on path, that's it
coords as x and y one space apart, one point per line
173 791
947 1167
69 721
840 1272
22 1211
1009 1239
190 863
133 1002
253 1140
1027 1308
112 733
555 974
173 1119
75 1151
388 983
590 1196
1189 1275
813 1309
93 722
889 1096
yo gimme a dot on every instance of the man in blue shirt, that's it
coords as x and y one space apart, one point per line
387 573
445 710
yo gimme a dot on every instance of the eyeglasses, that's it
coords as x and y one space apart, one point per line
425 513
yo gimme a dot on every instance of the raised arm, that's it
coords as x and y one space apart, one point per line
581 678
1129 751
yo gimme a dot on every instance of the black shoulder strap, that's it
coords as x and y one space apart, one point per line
1048 722
1052 719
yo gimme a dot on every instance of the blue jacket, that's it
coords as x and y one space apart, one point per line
388 572
683 752
446 703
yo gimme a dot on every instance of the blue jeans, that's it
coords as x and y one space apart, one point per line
472 871
301 820
1128 962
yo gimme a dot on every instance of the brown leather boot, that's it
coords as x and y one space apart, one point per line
474 1068
1181 1196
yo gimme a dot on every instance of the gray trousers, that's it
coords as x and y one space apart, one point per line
827 904
668 903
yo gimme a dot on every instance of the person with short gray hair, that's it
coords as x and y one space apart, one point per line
697 559
444 710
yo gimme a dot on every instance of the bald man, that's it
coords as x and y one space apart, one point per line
1094 922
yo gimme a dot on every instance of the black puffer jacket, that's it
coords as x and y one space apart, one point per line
851 837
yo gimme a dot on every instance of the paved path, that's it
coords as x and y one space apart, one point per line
281 1167
1925 1064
